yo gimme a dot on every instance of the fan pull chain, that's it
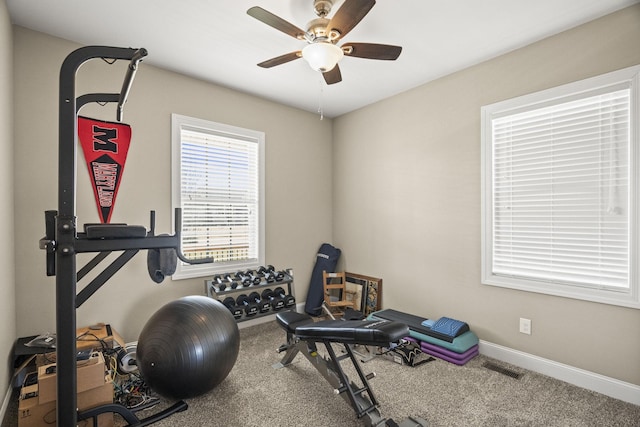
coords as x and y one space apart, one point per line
320 106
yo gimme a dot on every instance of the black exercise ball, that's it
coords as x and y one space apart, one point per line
188 347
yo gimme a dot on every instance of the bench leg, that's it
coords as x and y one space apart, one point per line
331 370
292 347
291 353
360 398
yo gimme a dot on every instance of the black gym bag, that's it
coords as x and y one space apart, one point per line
326 260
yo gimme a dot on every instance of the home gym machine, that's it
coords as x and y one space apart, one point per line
303 335
63 242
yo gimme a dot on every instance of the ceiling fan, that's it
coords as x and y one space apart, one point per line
322 36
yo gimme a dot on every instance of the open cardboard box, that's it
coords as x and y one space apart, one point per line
95 336
34 413
90 374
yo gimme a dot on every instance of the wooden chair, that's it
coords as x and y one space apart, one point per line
335 292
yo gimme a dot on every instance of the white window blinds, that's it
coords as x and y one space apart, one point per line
219 196
561 192
217 180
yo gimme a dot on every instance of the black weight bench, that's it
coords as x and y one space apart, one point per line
302 336
364 332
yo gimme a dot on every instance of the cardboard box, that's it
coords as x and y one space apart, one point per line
90 375
89 338
33 413
95 336
28 391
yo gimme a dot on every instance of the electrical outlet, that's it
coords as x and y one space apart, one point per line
525 326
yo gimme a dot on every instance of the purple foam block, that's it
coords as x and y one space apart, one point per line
448 355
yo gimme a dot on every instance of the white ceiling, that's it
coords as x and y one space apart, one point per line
215 40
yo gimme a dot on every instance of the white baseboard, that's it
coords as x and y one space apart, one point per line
258 321
579 377
265 319
5 402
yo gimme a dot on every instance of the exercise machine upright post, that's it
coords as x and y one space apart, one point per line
63 242
65 224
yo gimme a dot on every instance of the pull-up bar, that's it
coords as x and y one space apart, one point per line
69 106
128 79
120 98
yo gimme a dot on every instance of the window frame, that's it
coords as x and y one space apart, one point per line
179 122
629 297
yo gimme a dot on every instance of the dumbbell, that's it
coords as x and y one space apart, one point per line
221 285
264 272
269 273
247 278
230 303
277 303
250 307
244 280
289 300
277 275
253 277
230 281
263 305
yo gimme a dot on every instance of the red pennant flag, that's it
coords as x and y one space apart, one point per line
105 146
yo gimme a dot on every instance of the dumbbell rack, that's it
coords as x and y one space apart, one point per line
212 291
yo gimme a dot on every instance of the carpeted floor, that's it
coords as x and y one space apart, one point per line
256 394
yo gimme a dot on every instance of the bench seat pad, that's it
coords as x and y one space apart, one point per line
364 332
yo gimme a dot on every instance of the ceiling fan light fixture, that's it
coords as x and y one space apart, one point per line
322 56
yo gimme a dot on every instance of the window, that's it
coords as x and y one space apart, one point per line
218 181
561 190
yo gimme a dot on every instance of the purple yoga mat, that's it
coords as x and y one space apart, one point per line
448 355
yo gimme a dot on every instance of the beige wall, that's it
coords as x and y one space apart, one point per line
7 249
298 150
407 201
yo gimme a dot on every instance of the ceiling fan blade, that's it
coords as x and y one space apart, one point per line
332 76
276 22
282 59
348 16
372 51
